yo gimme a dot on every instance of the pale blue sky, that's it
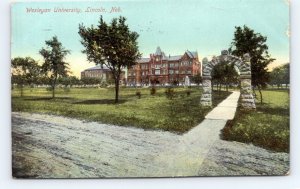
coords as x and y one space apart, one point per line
204 25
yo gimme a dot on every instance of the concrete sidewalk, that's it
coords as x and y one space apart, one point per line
196 143
226 109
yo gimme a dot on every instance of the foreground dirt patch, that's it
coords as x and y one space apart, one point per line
46 146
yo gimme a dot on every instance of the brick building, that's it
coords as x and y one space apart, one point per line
162 69
101 72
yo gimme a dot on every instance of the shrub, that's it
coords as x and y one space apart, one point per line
175 83
170 93
153 91
66 89
138 94
188 92
49 89
103 85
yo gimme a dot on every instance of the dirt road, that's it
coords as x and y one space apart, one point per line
46 146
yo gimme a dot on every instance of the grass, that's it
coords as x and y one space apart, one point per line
267 127
178 114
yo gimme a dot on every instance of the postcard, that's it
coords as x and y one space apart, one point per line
135 89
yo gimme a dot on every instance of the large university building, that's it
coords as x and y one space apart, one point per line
162 69
101 72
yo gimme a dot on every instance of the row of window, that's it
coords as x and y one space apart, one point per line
88 74
162 72
164 65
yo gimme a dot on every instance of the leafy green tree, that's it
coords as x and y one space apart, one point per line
247 41
286 77
68 81
113 45
91 81
230 75
224 74
197 79
280 75
276 77
54 61
74 81
217 76
25 71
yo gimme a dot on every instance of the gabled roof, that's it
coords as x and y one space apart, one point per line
98 67
143 60
158 52
173 58
191 54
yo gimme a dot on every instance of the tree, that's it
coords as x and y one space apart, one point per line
224 74
247 41
112 45
68 81
280 75
91 81
276 77
286 76
54 64
197 79
25 71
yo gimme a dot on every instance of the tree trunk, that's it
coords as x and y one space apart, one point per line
117 89
253 91
53 87
260 93
22 93
53 91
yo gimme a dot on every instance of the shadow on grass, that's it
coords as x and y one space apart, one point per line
274 111
46 98
101 101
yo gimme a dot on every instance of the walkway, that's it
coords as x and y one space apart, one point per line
59 147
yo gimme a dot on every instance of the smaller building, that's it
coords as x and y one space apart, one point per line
101 72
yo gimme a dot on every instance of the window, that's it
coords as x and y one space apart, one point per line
189 71
157 72
171 71
176 71
184 63
171 65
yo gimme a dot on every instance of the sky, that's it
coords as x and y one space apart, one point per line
205 26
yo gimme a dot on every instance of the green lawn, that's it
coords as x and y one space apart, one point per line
97 104
267 127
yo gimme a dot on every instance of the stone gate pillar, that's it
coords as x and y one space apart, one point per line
206 98
247 99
